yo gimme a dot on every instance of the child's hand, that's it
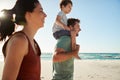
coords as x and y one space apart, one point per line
67 28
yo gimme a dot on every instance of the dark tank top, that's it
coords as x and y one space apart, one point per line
31 65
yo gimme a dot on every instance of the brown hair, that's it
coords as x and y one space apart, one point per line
65 2
72 21
7 25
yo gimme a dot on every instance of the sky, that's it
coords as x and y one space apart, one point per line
100 24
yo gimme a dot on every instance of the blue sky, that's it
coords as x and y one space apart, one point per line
100 24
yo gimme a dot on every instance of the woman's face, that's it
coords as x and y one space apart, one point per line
38 16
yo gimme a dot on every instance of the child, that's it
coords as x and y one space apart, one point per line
60 26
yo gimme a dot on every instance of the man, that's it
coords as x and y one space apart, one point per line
63 58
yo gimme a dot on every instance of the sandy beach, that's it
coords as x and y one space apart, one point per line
85 70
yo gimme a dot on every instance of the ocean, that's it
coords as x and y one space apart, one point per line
89 56
84 56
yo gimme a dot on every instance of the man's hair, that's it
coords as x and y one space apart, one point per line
72 21
65 2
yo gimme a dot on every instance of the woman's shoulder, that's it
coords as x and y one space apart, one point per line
18 39
19 36
17 42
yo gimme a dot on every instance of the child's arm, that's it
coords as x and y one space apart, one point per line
58 22
73 39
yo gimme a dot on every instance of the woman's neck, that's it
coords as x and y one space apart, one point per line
29 32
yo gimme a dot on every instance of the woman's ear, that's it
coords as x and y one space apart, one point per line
27 16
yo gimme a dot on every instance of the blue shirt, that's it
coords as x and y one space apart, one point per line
64 70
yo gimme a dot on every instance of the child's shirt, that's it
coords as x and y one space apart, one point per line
63 20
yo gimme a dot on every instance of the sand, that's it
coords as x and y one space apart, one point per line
85 70
88 70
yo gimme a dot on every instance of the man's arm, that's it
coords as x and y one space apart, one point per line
61 55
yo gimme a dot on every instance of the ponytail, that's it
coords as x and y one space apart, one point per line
7 24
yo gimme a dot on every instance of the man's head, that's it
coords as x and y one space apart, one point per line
73 24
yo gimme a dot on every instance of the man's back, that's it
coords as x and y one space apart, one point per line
64 70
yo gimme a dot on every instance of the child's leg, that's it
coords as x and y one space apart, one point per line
74 45
60 33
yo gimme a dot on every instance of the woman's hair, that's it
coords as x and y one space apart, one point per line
7 23
72 22
65 2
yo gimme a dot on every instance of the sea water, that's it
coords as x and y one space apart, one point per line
83 56
89 56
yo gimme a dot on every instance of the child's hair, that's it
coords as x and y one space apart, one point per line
65 2
72 21
7 24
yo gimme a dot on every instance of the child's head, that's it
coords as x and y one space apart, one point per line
66 6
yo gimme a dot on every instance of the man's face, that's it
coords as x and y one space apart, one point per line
77 28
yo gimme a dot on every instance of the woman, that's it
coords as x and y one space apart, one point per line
21 51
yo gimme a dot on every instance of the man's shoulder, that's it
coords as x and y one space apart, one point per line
64 38
63 42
